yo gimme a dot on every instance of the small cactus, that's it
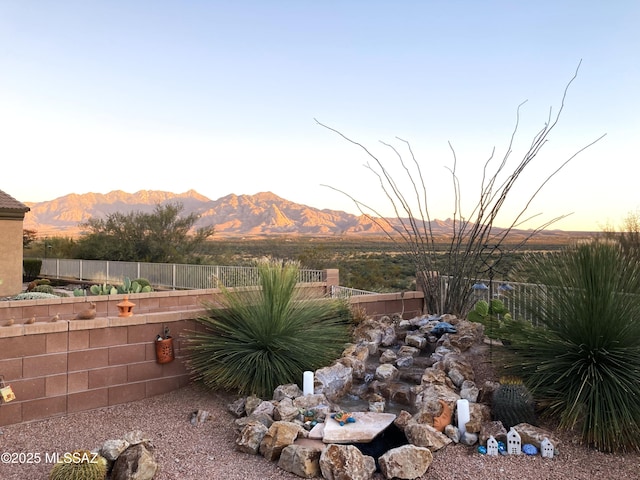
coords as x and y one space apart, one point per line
135 286
512 403
144 284
104 289
80 465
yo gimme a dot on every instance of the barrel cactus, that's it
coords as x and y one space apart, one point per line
44 288
512 403
79 465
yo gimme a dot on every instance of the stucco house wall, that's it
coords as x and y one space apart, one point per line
11 223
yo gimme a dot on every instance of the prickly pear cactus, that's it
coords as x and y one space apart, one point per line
512 403
79 465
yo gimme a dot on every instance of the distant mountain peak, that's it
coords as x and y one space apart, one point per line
263 213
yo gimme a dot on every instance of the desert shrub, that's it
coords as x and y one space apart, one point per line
259 338
583 362
31 268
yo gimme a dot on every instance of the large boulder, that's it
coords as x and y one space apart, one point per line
333 381
290 391
386 372
301 460
346 462
285 410
424 435
135 463
405 462
535 435
479 414
279 436
111 449
250 437
457 368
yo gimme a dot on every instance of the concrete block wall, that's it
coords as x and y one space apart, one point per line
409 304
70 365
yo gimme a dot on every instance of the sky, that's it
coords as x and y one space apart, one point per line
230 97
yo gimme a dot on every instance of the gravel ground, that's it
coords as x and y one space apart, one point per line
207 451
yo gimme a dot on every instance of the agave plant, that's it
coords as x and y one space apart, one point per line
583 361
259 338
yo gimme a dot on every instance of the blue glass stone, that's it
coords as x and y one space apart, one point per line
482 450
529 449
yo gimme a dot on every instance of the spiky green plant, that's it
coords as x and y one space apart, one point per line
79 465
583 361
259 338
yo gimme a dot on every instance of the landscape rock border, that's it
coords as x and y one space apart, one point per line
279 428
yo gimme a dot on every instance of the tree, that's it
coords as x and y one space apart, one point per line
28 237
162 236
474 241
629 236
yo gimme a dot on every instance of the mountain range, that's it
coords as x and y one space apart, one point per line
232 215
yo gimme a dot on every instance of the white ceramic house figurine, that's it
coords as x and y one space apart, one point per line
547 450
514 443
492 447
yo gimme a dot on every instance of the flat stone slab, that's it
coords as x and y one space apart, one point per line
317 432
368 425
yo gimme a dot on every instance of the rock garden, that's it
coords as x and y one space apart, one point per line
401 391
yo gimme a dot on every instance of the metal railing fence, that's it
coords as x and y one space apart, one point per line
346 292
517 297
165 275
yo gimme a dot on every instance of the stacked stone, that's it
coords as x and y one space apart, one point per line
421 364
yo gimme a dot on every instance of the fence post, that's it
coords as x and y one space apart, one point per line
173 275
331 279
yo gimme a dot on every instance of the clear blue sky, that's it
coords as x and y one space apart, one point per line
220 97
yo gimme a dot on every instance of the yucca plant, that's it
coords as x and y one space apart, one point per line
259 338
583 362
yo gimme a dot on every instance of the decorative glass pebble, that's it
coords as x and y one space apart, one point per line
529 449
502 447
482 450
